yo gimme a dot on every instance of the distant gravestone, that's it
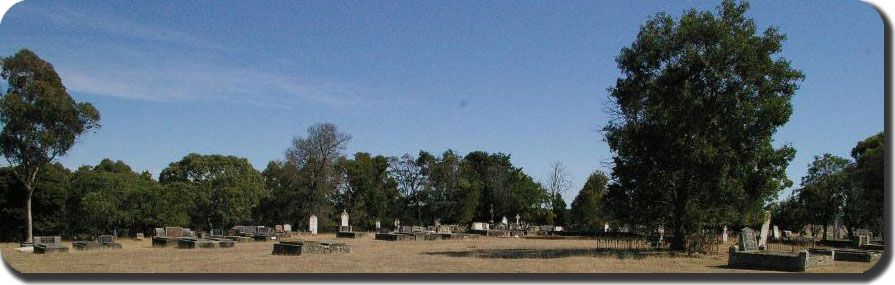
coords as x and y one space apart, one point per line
776 235
397 224
174 232
504 220
606 227
765 228
517 219
747 240
278 228
479 226
378 225
724 234
140 236
159 232
344 218
312 224
287 227
217 233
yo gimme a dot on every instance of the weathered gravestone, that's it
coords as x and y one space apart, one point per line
765 227
287 227
378 225
724 234
478 226
216 233
159 232
504 220
344 218
47 244
312 224
174 232
140 236
747 240
776 235
278 228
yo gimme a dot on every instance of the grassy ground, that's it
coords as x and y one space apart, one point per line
483 255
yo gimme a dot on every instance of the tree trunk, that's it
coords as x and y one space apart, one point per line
29 233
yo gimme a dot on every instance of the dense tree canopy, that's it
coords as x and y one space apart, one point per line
224 189
695 111
588 207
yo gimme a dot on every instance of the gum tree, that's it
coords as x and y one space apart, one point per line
40 120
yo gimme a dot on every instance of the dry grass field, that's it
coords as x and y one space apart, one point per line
482 255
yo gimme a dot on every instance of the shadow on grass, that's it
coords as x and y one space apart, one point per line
521 253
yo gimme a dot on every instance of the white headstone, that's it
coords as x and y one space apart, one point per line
504 220
287 227
312 224
765 227
724 234
378 225
397 223
344 218
478 226
517 219
606 227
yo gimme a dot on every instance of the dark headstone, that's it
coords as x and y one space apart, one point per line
748 240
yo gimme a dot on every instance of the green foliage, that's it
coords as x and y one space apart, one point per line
224 189
40 120
110 197
695 112
824 188
587 208
867 203
369 193
50 209
561 215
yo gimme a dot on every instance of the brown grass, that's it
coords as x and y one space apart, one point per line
483 255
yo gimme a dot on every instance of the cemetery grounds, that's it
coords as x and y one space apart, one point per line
480 255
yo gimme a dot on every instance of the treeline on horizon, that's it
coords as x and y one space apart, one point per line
220 191
314 178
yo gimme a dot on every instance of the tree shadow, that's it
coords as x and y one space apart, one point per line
520 253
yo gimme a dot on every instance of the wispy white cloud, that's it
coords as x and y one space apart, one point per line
63 15
111 59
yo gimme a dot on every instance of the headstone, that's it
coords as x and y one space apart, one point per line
287 227
344 218
312 224
557 228
606 227
378 225
724 234
159 232
776 235
174 232
217 233
397 223
140 236
517 219
437 222
747 240
478 226
106 239
406 229
504 220
765 227
278 228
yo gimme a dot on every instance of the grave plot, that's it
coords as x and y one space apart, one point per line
857 255
748 255
48 244
189 243
309 247
346 231
103 242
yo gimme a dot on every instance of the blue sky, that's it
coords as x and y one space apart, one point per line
526 78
